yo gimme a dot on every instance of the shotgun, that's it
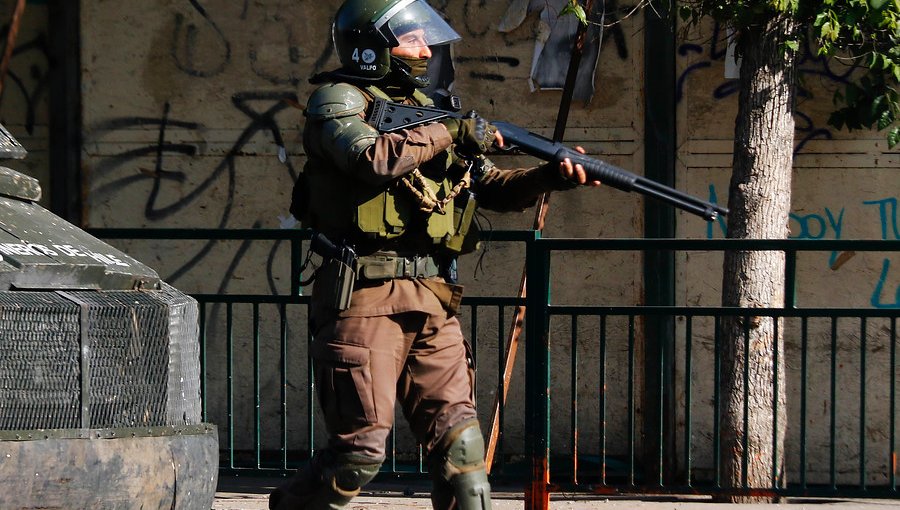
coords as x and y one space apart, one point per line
388 117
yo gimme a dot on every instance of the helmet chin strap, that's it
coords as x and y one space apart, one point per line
402 73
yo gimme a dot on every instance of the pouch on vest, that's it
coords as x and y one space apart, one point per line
440 225
383 214
465 237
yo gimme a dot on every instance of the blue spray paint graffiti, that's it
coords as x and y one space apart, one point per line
887 213
720 221
879 288
830 224
816 226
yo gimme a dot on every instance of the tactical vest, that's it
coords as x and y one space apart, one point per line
338 208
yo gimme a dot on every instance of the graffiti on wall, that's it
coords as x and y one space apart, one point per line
258 121
27 90
829 224
201 48
809 64
889 218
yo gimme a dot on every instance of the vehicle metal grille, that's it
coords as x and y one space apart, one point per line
98 359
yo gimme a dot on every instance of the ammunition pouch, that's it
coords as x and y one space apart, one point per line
465 238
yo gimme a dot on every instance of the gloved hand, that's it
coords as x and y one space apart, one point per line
472 135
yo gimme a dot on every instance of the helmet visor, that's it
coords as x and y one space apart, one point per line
411 23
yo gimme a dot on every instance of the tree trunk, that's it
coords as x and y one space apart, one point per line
753 414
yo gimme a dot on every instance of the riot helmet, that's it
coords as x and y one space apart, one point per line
364 32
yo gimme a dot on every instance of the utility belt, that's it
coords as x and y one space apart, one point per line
388 265
342 267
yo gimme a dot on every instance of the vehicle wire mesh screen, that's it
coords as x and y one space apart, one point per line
40 354
98 359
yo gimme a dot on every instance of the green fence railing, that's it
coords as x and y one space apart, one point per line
586 422
855 349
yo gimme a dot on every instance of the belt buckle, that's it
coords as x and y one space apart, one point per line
407 262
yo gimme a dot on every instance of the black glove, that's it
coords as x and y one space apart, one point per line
472 135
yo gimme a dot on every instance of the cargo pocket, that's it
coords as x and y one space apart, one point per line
345 384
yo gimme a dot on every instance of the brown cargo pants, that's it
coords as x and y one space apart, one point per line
364 365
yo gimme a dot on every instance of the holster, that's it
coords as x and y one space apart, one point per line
334 283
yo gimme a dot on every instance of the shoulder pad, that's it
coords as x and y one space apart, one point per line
335 100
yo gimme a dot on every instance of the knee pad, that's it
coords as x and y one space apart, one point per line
349 473
458 469
329 482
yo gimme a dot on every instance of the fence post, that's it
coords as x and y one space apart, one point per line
537 374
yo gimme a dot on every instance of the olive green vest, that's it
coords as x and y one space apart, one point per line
388 212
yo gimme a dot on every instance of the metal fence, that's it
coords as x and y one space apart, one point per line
842 360
608 407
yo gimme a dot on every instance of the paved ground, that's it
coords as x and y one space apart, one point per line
251 494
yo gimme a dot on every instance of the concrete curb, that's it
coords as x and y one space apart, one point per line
252 494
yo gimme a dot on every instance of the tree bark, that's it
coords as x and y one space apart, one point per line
752 410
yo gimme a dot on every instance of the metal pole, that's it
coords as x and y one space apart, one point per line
537 380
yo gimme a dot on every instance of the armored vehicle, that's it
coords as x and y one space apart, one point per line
99 370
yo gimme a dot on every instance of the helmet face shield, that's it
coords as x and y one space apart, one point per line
365 31
411 23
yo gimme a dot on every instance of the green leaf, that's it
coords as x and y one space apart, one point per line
893 137
830 31
573 7
885 120
875 60
853 93
876 108
836 119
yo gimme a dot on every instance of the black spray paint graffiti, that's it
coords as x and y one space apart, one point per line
186 39
201 49
612 28
507 61
38 80
276 76
259 122
808 65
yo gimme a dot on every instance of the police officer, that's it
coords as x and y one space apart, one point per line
398 208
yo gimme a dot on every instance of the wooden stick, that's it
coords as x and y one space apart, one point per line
515 330
11 41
